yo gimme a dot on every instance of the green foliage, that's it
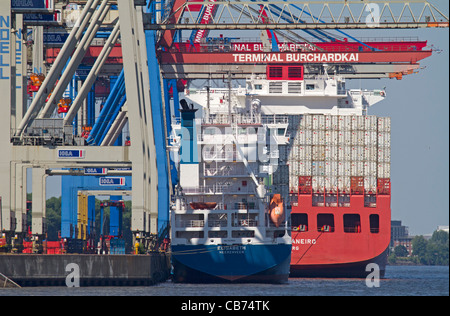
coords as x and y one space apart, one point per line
53 218
434 251
401 251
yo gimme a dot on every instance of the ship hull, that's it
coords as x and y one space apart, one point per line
346 248
340 270
231 264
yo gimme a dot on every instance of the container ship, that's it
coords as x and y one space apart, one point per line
333 173
225 225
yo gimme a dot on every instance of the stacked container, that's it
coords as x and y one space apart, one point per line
331 149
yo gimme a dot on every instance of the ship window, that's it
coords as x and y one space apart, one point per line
295 72
352 223
189 220
258 86
217 234
310 86
374 223
275 72
244 220
189 235
281 131
275 87
299 222
242 233
325 223
217 220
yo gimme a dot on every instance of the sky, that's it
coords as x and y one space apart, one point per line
419 109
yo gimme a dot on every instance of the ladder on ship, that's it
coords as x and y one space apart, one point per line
7 282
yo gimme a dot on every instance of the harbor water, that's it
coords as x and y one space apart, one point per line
398 281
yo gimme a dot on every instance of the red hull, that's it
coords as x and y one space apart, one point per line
339 241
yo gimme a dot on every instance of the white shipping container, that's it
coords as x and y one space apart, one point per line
345 123
318 121
318 152
318 168
371 123
358 137
294 168
384 139
343 183
370 169
305 137
306 122
344 168
293 183
357 153
345 138
354 122
331 152
384 154
361 123
331 183
304 168
318 183
370 184
384 170
384 124
358 122
318 137
370 153
331 122
345 152
370 138
331 137
331 168
357 169
304 152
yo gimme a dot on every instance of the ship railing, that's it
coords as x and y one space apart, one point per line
217 223
224 118
226 172
275 119
206 189
221 155
189 223
220 188
246 119
245 223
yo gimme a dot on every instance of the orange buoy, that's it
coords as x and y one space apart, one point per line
276 210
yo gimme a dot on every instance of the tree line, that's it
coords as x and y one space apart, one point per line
434 251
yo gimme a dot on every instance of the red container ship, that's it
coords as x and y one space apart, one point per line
338 234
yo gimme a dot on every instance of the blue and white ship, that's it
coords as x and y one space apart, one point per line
223 224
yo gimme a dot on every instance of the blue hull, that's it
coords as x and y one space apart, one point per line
237 263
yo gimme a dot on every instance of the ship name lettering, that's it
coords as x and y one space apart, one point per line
303 241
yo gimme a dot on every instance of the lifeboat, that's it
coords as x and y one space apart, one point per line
35 82
276 210
64 105
202 205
